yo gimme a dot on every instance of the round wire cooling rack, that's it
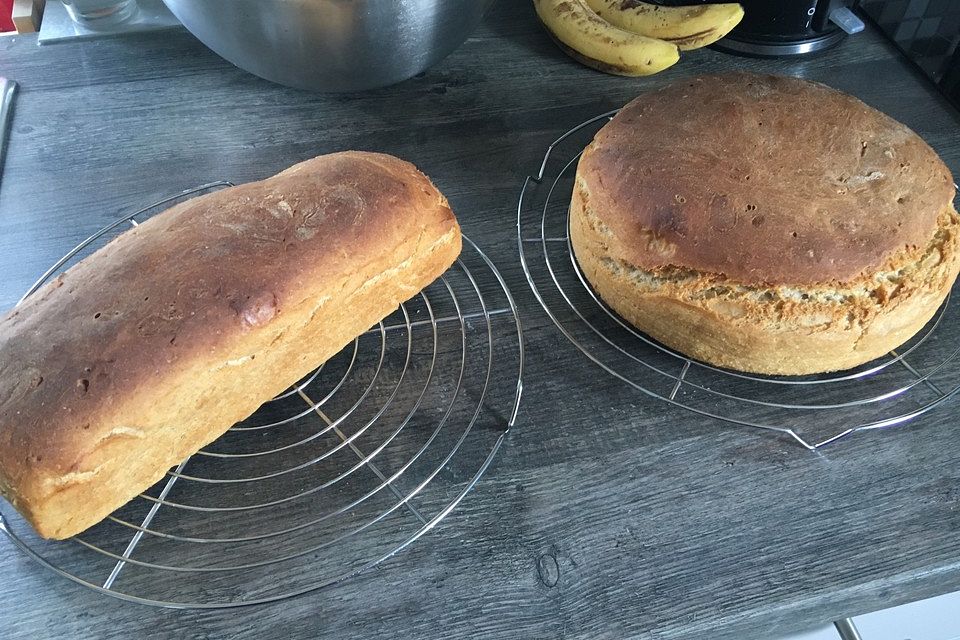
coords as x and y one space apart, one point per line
343 470
812 410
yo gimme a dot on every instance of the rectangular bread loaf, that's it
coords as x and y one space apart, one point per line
152 347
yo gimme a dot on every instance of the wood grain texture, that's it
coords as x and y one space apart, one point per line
607 514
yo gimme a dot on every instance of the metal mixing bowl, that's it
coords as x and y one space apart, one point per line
331 45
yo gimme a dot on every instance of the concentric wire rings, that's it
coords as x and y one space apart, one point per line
343 470
812 410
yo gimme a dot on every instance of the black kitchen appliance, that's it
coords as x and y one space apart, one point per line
791 27
928 33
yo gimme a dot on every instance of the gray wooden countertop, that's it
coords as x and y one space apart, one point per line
662 524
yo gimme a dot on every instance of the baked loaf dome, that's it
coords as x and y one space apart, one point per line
154 346
765 224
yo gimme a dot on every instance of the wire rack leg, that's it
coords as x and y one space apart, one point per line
930 385
441 320
683 374
135 540
369 464
847 630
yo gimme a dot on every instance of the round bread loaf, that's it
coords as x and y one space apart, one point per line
765 224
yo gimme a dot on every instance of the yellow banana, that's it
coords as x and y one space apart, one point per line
687 27
586 37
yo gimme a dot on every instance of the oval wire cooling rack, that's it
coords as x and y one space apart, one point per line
343 470
812 410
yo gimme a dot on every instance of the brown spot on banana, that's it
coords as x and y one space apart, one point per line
690 27
593 41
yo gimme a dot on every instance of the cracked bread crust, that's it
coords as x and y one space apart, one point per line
777 330
152 347
765 224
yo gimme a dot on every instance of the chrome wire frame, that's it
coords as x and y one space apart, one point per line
570 308
467 319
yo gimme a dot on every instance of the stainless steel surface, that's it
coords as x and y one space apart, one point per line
97 14
811 410
847 630
780 49
377 446
789 27
332 45
8 89
58 26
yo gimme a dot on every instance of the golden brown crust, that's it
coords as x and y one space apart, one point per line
782 330
151 348
766 180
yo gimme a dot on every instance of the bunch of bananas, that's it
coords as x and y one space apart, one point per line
633 38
